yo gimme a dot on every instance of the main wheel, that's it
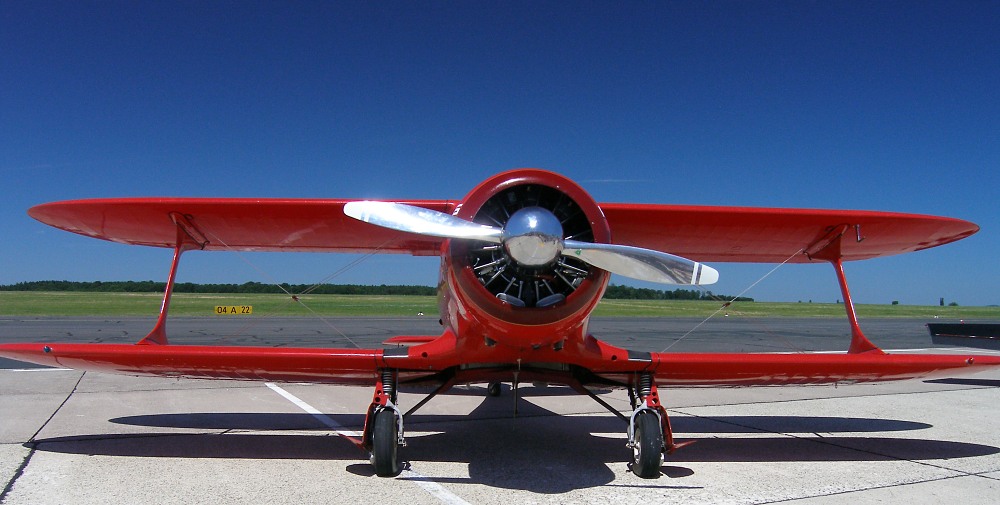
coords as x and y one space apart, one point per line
385 444
493 389
647 453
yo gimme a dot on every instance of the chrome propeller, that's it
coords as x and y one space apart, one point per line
533 238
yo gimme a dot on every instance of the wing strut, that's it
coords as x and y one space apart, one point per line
188 238
828 248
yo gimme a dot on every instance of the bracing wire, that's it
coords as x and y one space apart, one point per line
297 298
730 302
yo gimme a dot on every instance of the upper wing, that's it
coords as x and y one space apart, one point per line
242 224
768 235
706 234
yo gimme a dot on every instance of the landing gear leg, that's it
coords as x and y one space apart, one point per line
383 433
649 432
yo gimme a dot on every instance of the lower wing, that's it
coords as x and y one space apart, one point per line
361 366
720 369
333 366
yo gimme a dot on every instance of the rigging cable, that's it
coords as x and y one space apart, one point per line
294 297
727 304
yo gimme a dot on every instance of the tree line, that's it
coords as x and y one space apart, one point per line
191 287
617 292
613 292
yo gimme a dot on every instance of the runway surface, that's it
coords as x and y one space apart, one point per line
70 437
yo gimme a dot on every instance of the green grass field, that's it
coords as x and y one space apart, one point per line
29 303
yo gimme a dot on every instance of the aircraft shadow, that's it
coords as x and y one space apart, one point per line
683 425
537 451
959 381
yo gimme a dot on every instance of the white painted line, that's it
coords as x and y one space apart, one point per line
436 490
39 369
321 417
433 488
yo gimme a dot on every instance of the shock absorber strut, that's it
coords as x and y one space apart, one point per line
645 385
389 384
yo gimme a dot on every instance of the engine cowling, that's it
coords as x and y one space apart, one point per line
525 296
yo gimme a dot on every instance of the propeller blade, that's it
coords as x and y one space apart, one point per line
634 262
642 264
413 219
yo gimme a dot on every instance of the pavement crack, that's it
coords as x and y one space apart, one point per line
984 476
249 385
859 490
56 411
17 474
32 445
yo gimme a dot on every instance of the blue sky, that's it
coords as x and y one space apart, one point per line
867 105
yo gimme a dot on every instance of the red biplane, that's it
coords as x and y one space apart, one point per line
525 257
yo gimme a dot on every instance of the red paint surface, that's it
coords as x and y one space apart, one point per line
707 234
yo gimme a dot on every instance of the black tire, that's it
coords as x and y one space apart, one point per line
646 456
493 389
385 446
